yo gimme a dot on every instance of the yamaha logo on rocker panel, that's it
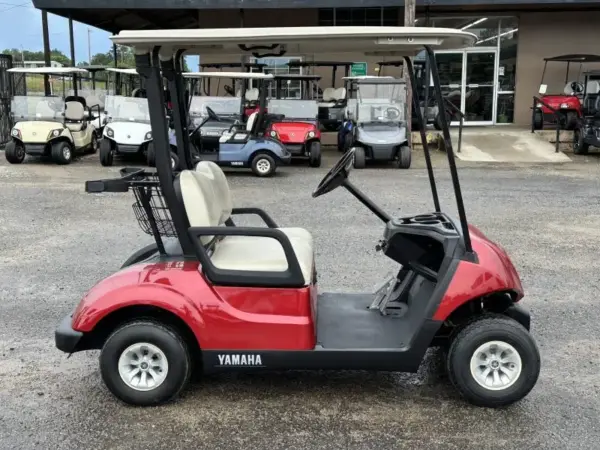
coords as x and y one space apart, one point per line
240 360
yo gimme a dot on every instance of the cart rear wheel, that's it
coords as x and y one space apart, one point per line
145 363
106 153
314 158
493 361
263 165
14 152
150 155
404 157
62 153
437 123
174 161
359 158
94 145
579 146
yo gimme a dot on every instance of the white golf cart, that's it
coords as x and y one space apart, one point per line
50 126
127 130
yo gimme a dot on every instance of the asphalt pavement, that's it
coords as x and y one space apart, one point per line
56 242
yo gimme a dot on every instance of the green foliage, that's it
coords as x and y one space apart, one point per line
55 55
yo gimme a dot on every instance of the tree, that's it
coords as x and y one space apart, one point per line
55 55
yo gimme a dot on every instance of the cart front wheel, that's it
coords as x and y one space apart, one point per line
538 120
14 152
145 363
579 146
263 165
106 153
62 153
404 157
493 362
150 155
359 158
314 158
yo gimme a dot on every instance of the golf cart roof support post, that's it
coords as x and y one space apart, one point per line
361 197
47 62
333 72
544 72
262 103
72 44
278 88
114 56
422 123
148 67
169 69
567 75
179 85
426 83
449 151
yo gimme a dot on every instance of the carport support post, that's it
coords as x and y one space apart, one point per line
409 21
47 62
72 43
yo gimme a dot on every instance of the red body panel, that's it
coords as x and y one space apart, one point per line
235 318
294 132
555 101
221 318
494 273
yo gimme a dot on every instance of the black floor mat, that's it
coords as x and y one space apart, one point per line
344 322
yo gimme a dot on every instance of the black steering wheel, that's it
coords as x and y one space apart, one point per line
337 175
212 115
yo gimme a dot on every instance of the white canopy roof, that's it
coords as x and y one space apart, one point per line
126 71
368 77
238 75
48 70
372 40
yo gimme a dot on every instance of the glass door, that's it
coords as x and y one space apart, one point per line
479 90
450 67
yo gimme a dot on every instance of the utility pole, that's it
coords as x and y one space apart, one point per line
409 21
89 46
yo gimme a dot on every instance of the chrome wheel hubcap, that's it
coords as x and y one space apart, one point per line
143 366
67 152
496 365
263 166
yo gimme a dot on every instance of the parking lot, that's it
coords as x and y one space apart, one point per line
58 241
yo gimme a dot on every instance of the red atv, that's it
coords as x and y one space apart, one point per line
294 121
566 106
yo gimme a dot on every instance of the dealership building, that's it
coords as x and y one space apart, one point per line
496 79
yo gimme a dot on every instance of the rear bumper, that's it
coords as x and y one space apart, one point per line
66 338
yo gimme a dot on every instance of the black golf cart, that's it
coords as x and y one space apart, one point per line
226 297
587 131
332 100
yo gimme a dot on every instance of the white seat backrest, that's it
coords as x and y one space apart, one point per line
74 111
329 94
340 94
221 187
200 201
238 93
593 87
251 120
252 95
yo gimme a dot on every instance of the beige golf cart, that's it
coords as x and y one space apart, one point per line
50 126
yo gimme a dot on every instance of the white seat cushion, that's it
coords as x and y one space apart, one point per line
262 254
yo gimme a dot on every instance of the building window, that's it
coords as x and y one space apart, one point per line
359 16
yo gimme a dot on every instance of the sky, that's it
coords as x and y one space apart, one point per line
21 26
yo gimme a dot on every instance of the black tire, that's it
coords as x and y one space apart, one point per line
404 157
571 120
94 145
150 155
14 152
263 165
470 338
62 152
174 161
538 120
579 146
437 122
167 340
106 153
360 160
314 158
348 140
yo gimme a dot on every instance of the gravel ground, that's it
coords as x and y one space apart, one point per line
57 242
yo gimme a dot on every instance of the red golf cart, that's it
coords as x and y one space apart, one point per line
226 297
293 121
565 104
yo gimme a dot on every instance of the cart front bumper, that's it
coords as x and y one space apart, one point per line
35 149
66 338
122 148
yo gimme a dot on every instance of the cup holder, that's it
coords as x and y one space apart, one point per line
422 217
430 222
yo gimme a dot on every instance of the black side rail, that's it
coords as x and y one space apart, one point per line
252 211
557 117
129 175
448 105
292 277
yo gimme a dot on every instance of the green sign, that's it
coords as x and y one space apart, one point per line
358 69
